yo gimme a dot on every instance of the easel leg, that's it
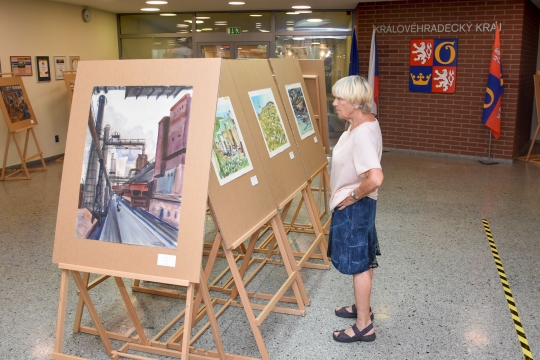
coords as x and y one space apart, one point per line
131 310
62 304
316 221
188 322
92 311
246 261
5 155
44 167
203 289
80 306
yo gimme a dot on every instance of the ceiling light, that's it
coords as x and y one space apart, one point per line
182 25
239 48
167 14
199 21
292 13
183 31
255 15
315 43
261 30
245 30
298 38
290 29
157 43
157 2
202 17
207 29
314 20
188 21
198 30
301 7
236 3
150 9
304 11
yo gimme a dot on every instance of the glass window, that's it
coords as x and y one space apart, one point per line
216 51
157 48
247 22
339 21
334 50
154 24
252 51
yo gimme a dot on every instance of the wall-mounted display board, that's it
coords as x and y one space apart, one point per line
293 92
273 137
143 194
313 71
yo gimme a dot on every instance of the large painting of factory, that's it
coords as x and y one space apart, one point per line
133 166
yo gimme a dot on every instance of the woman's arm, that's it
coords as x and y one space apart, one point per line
374 179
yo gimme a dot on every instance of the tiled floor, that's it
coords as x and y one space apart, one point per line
436 294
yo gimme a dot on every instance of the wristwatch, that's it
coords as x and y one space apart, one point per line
353 194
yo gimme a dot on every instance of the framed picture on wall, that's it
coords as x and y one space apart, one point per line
21 65
44 68
59 66
74 62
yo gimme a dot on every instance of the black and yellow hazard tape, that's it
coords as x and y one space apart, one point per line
508 293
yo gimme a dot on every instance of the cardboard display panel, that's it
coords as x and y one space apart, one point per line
240 204
169 166
292 88
284 171
15 104
317 95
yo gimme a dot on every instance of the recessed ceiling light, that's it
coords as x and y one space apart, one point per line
156 2
198 30
150 9
236 3
314 20
199 21
290 29
245 30
298 38
292 13
315 43
301 7
261 30
188 21
202 17
167 14
182 25
207 29
183 31
255 15
304 11
157 43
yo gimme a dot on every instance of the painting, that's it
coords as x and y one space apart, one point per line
270 121
59 67
74 61
21 65
44 68
133 165
301 112
15 103
230 156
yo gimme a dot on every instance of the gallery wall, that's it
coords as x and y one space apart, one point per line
451 123
37 27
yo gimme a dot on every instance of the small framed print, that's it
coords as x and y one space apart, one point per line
44 68
21 65
60 65
74 61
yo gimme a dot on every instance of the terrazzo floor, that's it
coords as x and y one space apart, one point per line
436 293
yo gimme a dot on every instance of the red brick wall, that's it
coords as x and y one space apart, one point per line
452 123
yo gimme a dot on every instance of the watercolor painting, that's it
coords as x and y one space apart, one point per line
15 103
270 121
133 165
230 157
301 112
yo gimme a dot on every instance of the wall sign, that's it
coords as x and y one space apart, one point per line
433 65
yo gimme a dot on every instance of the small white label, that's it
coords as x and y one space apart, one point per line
166 260
291 155
315 139
254 180
31 121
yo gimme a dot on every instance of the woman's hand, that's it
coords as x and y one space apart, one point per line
349 200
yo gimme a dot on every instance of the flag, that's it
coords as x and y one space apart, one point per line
354 66
373 73
491 117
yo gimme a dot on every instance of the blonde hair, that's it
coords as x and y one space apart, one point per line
356 90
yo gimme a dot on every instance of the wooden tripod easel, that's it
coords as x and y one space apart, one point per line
534 158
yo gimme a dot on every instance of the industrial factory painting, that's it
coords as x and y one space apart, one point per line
133 165
230 157
300 109
270 121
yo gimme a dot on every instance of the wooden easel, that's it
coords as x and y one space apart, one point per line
534 158
138 342
22 173
69 76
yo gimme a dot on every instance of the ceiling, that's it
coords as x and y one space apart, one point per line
134 6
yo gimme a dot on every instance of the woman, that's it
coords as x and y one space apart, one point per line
355 177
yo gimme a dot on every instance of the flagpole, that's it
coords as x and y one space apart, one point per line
488 161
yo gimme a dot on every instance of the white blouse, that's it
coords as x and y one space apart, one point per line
356 152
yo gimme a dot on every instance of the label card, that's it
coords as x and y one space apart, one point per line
166 260
291 155
254 180
315 139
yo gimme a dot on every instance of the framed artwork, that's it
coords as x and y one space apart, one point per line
230 157
74 62
300 110
21 65
141 166
270 121
59 67
44 68
15 106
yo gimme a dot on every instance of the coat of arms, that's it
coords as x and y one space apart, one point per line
433 65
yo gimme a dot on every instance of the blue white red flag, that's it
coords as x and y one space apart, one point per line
491 117
373 73
354 64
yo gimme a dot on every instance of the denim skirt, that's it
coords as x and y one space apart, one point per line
353 244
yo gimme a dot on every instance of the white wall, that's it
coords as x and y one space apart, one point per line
39 27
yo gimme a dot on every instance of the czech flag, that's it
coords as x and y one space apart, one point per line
491 117
354 65
373 73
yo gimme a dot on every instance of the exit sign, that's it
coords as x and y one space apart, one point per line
234 30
